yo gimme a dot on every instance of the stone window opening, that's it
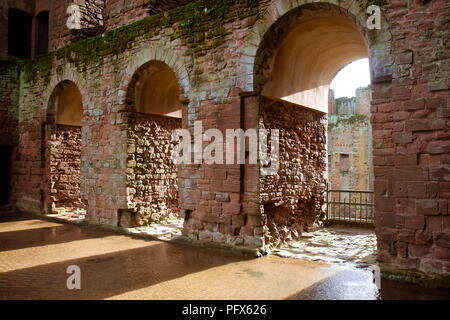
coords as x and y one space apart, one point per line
19 33
42 25
344 162
64 136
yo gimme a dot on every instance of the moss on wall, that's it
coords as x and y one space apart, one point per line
199 25
353 119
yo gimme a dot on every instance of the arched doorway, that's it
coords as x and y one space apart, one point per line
296 61
63 150
155 111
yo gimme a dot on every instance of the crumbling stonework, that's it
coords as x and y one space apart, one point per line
294 199
65 161
151 174
216 48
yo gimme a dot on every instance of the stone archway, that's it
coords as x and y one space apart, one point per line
154 110
63 145
294 54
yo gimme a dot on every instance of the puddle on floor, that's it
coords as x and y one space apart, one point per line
34 263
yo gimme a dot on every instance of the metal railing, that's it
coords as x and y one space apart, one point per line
350 206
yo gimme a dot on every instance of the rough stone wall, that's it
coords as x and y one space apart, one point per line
9 115
410 117
294 199
9 102
345 105
220 203
92 22
119 13
64 169
151 173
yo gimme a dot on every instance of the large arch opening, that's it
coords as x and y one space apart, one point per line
63 155
296 61
155 111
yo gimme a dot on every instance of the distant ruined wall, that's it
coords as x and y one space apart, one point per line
350 162
349 152
294 199
65 161
152 177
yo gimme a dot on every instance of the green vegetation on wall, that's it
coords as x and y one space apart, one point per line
199 25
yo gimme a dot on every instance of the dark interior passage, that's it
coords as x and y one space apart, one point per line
5 166
19 33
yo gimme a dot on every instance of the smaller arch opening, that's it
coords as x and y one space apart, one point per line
157 91
153 99
64 144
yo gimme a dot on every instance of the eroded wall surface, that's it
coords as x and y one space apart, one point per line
294 199
64 169
152 177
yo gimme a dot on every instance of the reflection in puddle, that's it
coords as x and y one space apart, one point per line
33 263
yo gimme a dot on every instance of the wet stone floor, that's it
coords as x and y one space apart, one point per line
335 244
35 255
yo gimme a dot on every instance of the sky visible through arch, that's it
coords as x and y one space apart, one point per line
351 77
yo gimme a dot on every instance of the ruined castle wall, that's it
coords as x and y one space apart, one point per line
64 167
349 150
59 34
294 199
214 60
151 173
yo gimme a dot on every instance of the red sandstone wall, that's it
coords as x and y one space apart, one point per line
410 115
220 203
411 121
294 199
151 174
119 13
64 167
